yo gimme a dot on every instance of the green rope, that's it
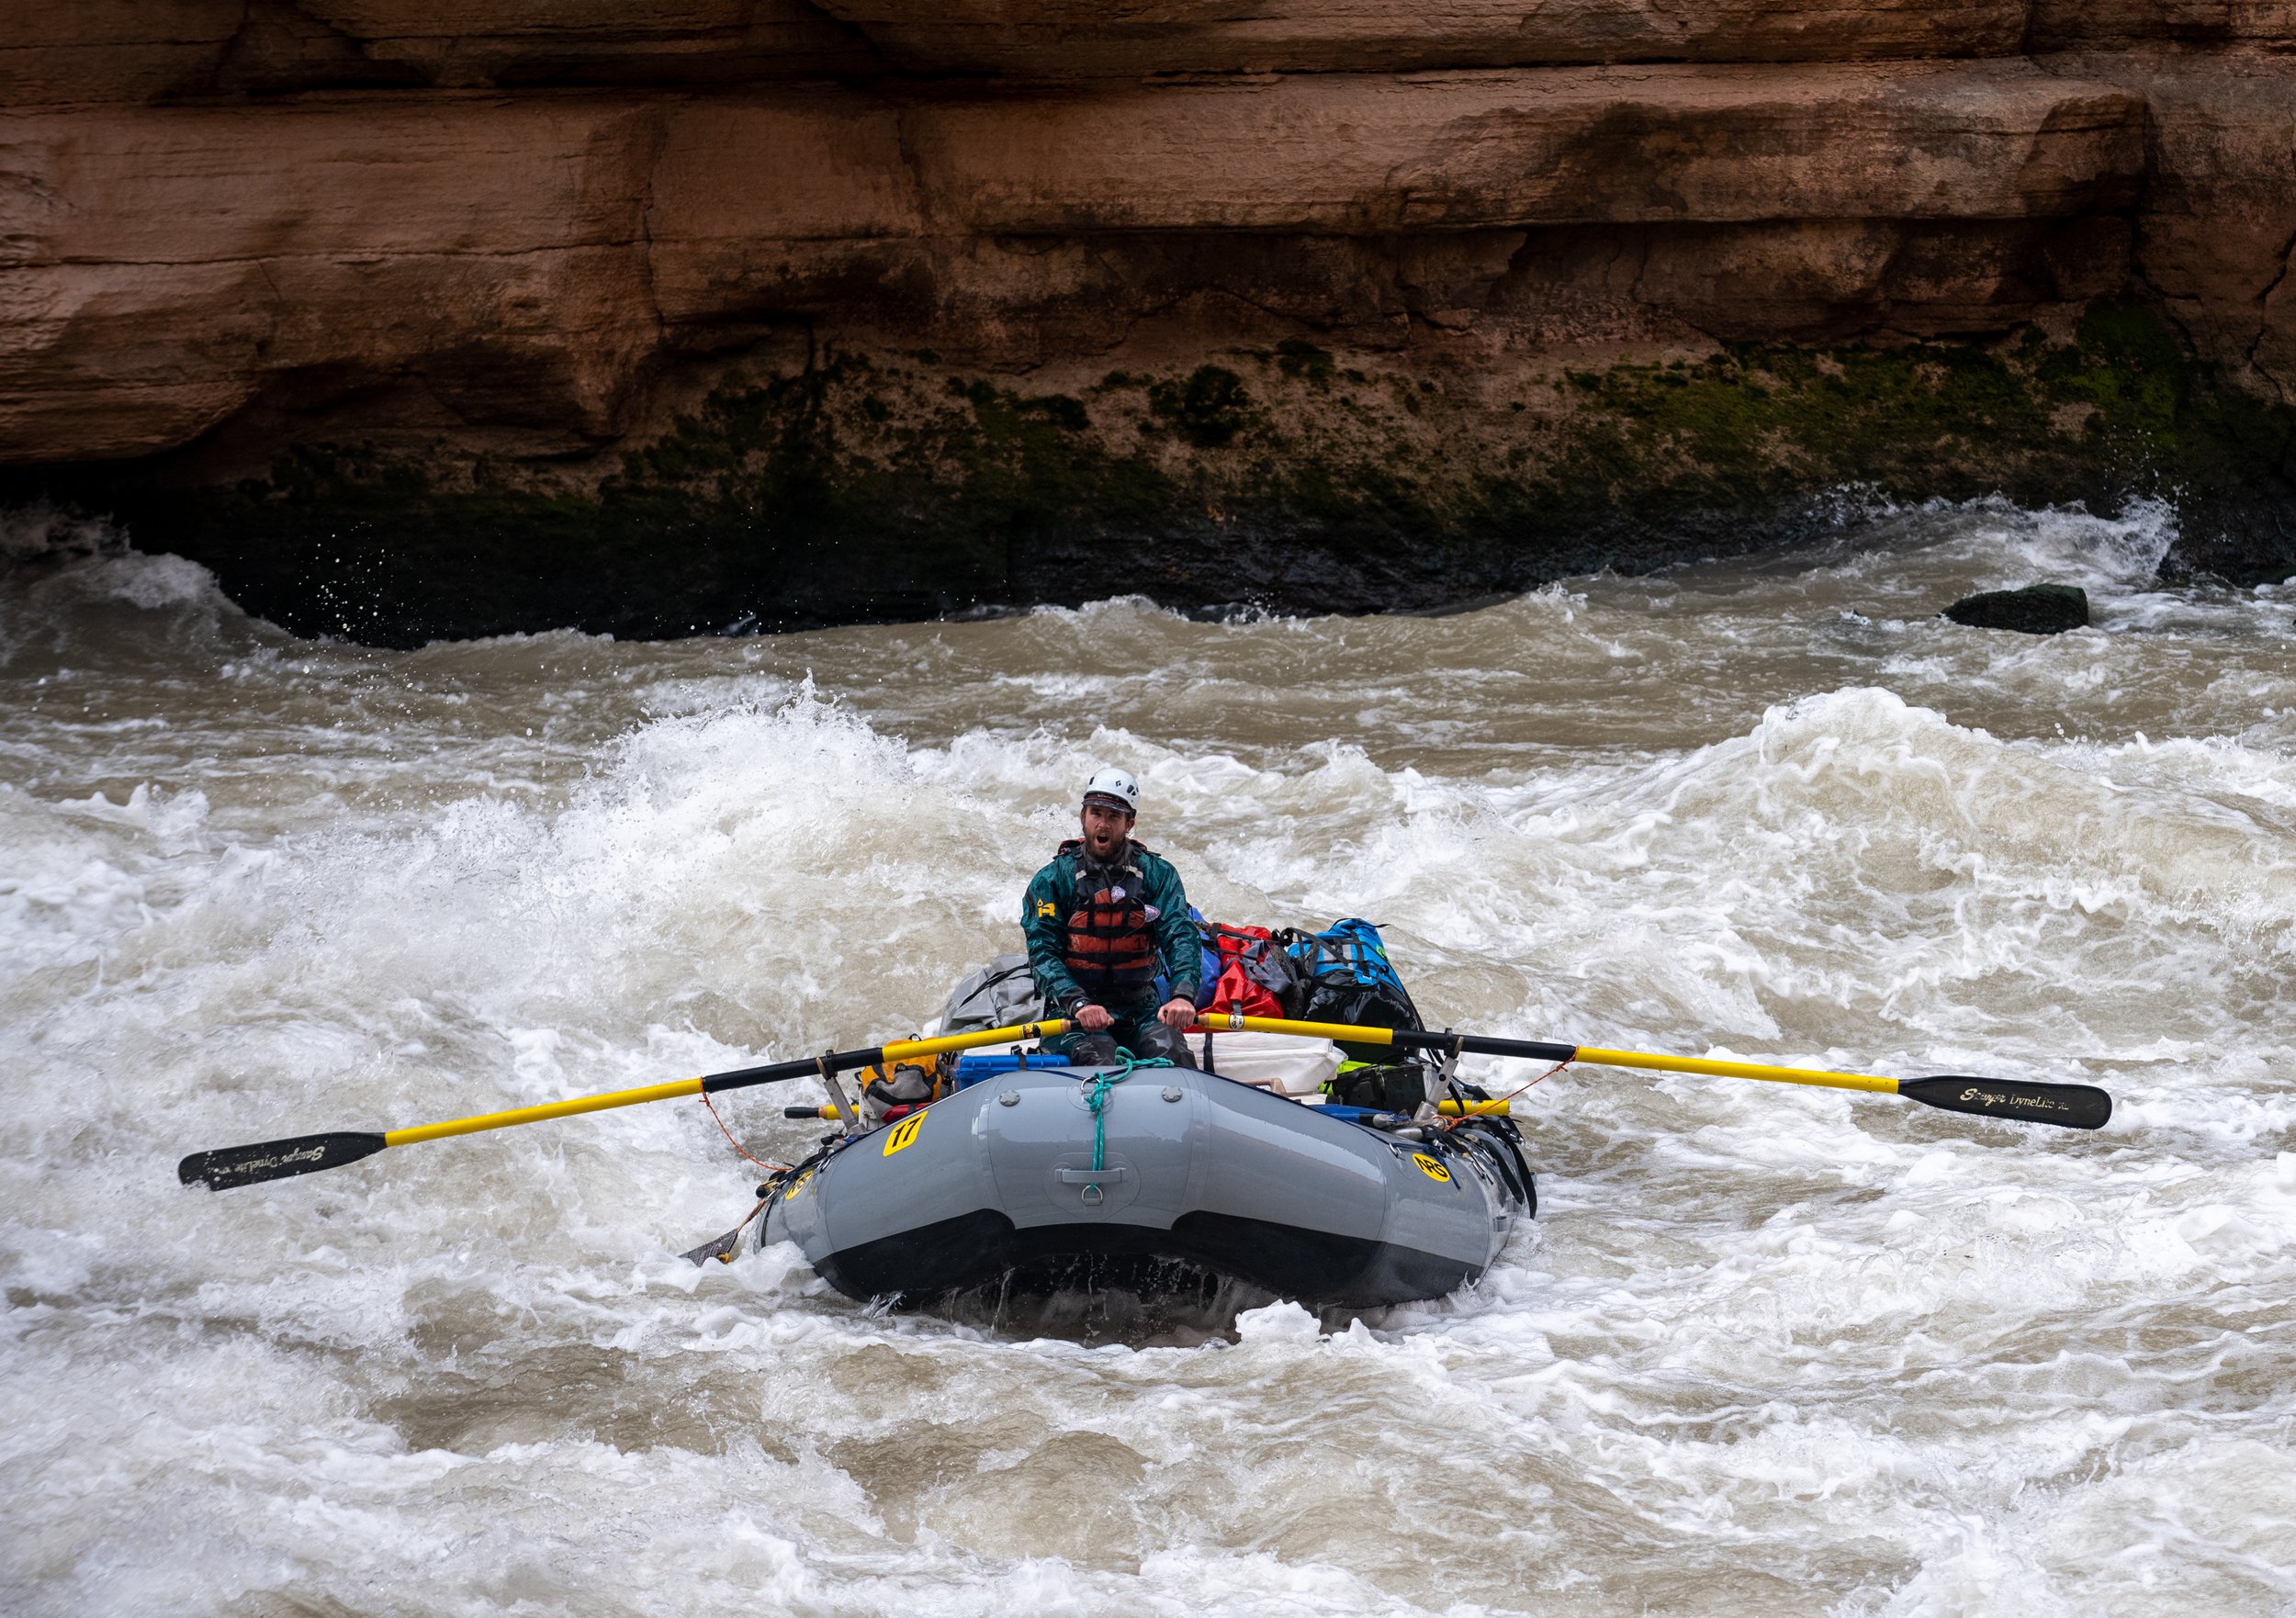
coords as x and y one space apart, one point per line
1099 1100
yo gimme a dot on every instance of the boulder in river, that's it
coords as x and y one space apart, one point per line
2038 609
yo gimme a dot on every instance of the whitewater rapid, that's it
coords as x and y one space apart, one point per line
1764 1351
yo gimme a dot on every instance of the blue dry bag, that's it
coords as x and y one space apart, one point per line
1347 977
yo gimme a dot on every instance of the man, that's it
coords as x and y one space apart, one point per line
1096 919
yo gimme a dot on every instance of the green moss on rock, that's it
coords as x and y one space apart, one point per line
1208 409
851 491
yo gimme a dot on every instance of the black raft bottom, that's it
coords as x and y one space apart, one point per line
956 1255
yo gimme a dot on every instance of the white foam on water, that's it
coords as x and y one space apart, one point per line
42 532
1765 1349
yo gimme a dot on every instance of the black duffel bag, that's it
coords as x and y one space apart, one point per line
1397 1087
1345 977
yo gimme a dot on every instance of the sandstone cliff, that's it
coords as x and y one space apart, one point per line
519 280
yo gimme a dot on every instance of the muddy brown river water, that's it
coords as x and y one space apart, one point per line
1764 1351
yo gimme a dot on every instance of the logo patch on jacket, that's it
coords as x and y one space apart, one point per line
1045 907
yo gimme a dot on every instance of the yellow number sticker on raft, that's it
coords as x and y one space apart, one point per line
1430 1167
904 1132
797 1184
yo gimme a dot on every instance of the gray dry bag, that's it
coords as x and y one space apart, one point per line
996 996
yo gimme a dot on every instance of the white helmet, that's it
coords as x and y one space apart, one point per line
1117 788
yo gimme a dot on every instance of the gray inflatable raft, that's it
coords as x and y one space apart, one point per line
1196 1176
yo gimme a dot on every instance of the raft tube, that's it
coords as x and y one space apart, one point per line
996 1183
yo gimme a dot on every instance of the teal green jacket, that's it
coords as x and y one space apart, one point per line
1052 899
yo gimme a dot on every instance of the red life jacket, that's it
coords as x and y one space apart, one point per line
1110 952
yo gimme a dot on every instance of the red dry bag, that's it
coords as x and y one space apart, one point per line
1254 975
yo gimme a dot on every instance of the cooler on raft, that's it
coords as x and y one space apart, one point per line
1046 1176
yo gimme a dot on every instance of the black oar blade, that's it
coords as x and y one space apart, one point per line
722 1249
2071 1107
726 1248
275 1159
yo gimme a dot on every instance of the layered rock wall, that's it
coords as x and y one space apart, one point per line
530 236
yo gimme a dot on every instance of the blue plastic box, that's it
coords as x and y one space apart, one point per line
972 1068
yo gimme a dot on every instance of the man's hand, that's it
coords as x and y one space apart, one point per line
1091 1018
1177 1014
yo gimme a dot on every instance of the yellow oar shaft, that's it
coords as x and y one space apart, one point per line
535 1115
1222 1022
902 1050
897 1051
1737 1069
1543 1050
